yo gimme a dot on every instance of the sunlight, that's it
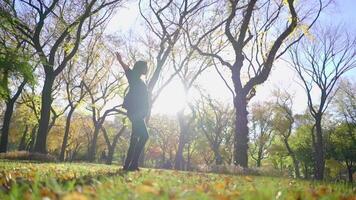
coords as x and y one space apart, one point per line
171 100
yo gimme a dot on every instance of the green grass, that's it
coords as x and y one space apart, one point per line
25 180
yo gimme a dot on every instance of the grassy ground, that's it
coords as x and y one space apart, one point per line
24 180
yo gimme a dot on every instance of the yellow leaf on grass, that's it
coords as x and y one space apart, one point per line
45 192
323 190
220 185
74 196
147 189
249 179
226 196
221 197
202 188
147 182
234 194
89 190
228 180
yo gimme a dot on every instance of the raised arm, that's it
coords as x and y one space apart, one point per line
119 58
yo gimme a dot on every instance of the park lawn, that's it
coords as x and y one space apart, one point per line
25 180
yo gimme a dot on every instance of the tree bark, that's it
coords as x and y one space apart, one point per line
258 162
306 171
259 156
30 145
218 158
241 131
66 133
10 103
178 164
111 148
292 155
41 139
319 164
22 145
6 126
92 149
349 171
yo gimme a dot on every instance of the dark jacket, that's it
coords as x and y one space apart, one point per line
136 100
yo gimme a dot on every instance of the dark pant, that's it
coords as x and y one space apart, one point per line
139 137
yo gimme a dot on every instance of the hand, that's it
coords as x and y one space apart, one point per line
118 56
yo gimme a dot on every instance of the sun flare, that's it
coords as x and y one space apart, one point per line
171 100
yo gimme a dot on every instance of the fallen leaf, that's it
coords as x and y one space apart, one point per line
220 185
74 196
147 189
247 178
147 182
47 193
221 197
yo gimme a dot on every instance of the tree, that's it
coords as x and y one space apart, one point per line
16 71
214 121
55 43
164 132
257 33
112 145
22 122
283 120
165 21
343 140
262 132
74 77
75 93
345 104
101 91
79 142
302 145
343 147
319 65
183 62
32 101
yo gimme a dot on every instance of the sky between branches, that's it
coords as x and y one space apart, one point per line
128 20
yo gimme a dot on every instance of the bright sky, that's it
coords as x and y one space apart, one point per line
172 98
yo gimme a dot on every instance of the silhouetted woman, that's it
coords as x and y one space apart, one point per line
136 104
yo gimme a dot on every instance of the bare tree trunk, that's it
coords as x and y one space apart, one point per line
10 103
92 148
178 164
66 134
32 139
111 148
349 170
22 145
319 151
241 131
6 126
258 161
259 156
74 152
41 139
306 171
292 155
218 158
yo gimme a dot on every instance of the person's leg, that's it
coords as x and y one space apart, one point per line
132 147
142 134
